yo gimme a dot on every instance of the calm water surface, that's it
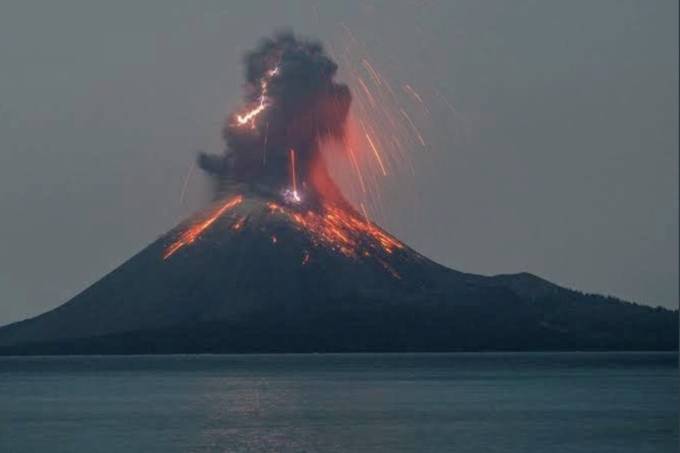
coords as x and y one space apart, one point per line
535 402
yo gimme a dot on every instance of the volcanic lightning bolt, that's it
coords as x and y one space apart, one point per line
262 103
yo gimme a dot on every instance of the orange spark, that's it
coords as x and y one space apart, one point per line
194 232
447 102
357 169
389 269
367 91
292 173
377 154
363 209
409 89
371 71
413 126
186 182
239 223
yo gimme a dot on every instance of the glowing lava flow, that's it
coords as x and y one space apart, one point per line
194 232
263 101
342 231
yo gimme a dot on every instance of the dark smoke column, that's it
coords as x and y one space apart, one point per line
291 103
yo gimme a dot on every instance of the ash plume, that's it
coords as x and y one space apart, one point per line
291 103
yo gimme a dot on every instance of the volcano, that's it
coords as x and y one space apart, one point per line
282 262
274 277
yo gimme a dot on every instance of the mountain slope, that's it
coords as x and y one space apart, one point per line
266 276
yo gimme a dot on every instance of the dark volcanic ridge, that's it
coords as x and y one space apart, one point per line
257 280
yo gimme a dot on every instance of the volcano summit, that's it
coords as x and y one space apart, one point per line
281 262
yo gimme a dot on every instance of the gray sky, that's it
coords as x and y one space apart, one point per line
562 159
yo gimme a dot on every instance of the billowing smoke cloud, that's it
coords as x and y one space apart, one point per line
292 102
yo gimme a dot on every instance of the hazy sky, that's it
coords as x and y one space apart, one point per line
562 159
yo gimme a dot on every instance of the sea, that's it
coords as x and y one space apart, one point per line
459 402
